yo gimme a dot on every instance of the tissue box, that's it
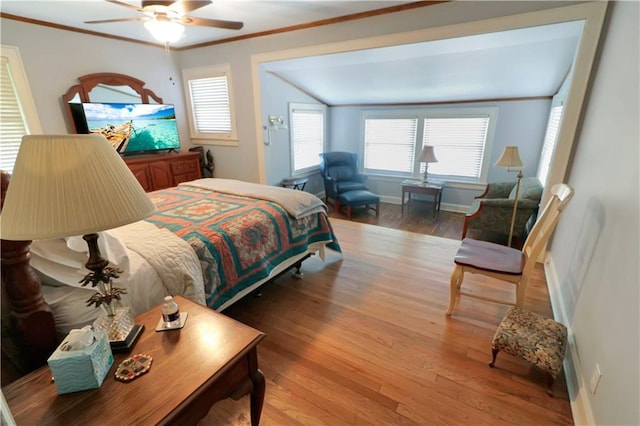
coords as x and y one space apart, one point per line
81 369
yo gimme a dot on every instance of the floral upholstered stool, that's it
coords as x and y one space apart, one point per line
535 339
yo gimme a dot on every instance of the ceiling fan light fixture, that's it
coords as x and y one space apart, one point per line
165 31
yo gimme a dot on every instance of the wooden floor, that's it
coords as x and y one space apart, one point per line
362 339
417 217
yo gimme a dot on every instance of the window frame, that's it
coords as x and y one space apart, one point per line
211 138
22 90
381 115
306 107
422 114
469 112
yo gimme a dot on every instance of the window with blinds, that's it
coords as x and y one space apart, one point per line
549 145
389 144
210 103
459 145
393 140
18 115
307 135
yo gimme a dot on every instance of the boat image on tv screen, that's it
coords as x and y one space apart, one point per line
134 127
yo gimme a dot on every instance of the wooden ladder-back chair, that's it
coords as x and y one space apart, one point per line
506 263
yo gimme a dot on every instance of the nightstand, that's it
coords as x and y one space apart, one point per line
426 188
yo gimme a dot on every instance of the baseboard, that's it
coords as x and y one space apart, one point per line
389 199
454 208
576 383
447 207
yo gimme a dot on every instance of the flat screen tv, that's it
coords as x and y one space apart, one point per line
130 127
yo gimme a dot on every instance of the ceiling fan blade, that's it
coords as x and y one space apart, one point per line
184 7
217 23
121 3
106 21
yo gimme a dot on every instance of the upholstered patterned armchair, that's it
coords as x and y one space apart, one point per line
339 171
492 210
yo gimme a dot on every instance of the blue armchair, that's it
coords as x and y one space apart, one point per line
340 174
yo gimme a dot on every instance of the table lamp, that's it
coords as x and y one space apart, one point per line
427 156
66 185
510 158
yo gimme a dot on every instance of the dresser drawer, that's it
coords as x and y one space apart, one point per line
164 170
181 167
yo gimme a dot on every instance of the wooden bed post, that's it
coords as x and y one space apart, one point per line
33 324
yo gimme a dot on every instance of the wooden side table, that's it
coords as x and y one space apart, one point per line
211 358
427 188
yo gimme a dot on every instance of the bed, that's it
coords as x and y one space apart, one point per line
211 240
196 268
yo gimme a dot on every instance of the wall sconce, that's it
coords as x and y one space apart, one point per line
275 123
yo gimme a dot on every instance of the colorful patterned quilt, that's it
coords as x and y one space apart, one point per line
238 240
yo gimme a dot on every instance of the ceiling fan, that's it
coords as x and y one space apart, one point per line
165 19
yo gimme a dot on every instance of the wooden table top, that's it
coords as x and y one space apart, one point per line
183 360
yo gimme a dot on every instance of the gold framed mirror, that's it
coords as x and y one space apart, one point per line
102 87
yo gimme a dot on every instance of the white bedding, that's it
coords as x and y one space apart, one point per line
170 256
298 204
175 270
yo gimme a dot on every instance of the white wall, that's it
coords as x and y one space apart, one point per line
595 251
54 59
276 96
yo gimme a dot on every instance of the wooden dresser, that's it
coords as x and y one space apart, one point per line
165 170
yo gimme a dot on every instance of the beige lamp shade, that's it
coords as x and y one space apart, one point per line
65 185
510 158
427 155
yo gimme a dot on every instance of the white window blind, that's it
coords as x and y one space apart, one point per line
210 103
389 144
18 115
550 139
307 136
459 145
12 123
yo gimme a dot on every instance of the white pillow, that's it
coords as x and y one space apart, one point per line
57 252
110 247
57 270
73 252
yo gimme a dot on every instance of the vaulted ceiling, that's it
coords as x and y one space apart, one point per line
530 62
